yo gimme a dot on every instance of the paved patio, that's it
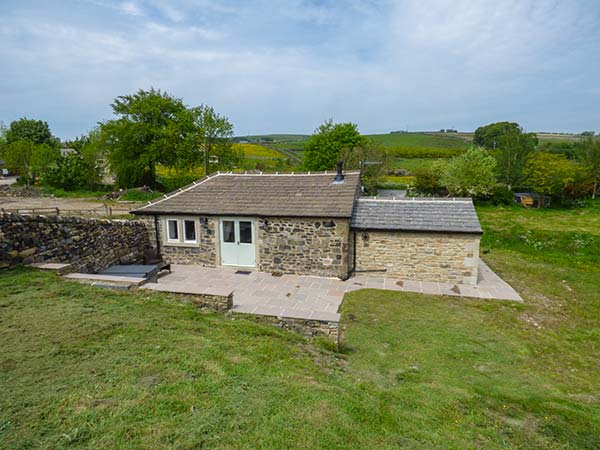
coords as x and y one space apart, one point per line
308 297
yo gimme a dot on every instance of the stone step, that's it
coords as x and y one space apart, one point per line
91 278
59 268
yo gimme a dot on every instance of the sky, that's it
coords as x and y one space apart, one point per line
286 66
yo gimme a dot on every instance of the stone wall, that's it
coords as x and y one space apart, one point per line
214 301
450 258
89 245
304 246
306 327
204 253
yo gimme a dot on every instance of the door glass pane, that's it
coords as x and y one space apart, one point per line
189 230
173 230
228 231
245 232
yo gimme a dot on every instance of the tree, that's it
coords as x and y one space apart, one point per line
489 136
146 133
549 174
513 147
588 154
31 130
29 160
154 128
214 135
323 148
470 174
370 158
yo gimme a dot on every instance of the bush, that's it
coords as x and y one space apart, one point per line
550 174
428 179
502 196
471 174
72 172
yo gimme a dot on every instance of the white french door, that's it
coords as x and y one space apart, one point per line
238 246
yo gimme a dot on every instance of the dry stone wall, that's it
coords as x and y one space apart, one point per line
304 246
89 245
448 258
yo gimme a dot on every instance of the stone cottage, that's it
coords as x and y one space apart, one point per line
314 224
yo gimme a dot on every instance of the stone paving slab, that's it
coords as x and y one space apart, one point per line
50 266
310 297
92 277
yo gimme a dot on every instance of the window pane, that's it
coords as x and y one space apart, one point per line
246 232
173 230
228 231
189 230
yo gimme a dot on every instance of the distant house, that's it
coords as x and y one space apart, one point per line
314 224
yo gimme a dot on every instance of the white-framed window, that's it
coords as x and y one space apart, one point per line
181 231
189 231
172 230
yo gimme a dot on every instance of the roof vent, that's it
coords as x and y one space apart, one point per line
339 178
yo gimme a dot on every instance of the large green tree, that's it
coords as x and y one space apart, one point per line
470 174
511 153
146 132
511 147
211 144
588 153
489 136
324 147
31 130
153 127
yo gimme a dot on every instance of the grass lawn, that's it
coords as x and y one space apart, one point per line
82 367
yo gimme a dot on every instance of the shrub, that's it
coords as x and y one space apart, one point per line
428 179
550 174
501 196
471 174
72 172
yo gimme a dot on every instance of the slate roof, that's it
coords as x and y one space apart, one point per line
416 214
268 194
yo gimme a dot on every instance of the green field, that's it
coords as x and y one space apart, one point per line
82 367
434 140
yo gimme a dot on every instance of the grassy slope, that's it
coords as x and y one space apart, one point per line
420 140
255 151
91 368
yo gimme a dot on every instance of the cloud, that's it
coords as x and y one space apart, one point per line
286 66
